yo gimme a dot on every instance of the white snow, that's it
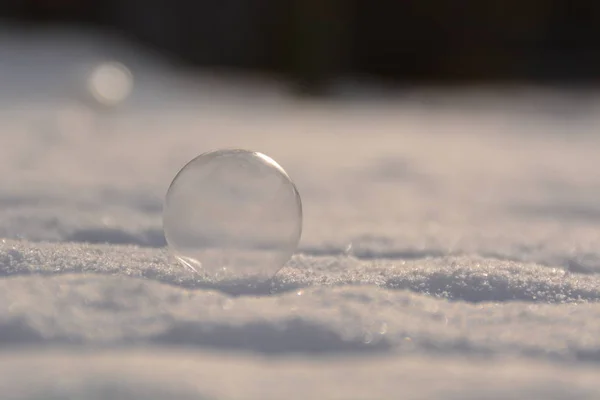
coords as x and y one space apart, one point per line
451 245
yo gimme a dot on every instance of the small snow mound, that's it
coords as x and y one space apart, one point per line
497 282
466 278
107 235
291 335
16 331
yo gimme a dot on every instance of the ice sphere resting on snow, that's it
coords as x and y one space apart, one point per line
233 215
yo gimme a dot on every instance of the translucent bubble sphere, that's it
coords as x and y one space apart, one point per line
110 83
233 216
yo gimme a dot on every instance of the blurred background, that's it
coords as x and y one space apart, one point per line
311 43
405 124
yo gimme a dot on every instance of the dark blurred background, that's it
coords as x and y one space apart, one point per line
311 42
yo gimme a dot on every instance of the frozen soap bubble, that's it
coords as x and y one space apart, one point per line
110 83
234 216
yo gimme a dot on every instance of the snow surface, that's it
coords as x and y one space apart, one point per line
451 245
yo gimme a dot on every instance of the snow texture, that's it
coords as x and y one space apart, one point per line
451 245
